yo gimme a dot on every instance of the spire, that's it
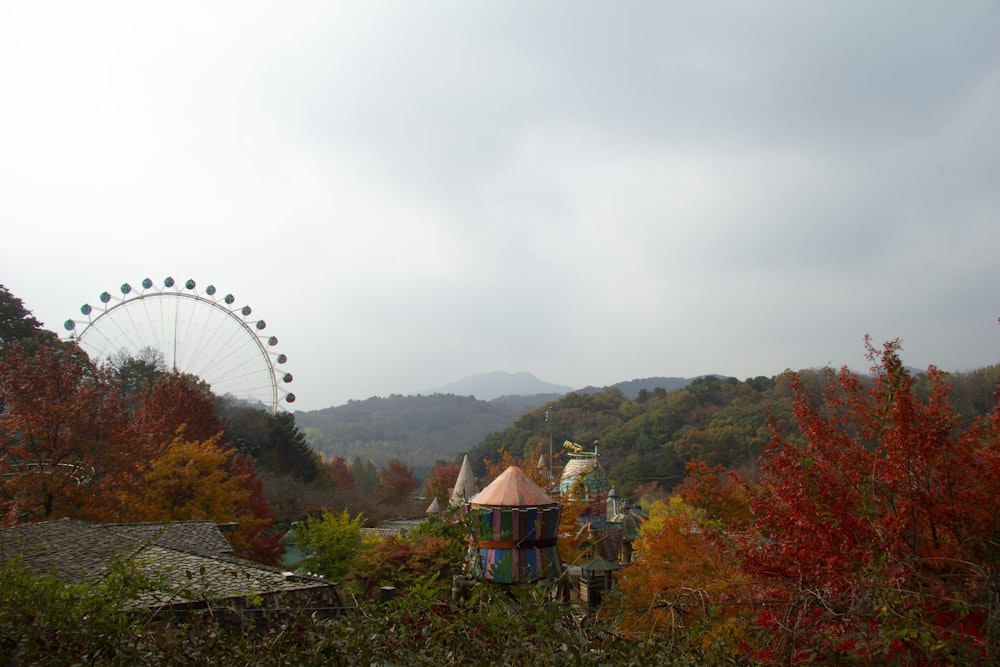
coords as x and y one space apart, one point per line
465 485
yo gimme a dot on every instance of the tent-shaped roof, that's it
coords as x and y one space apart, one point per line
513 488
465 485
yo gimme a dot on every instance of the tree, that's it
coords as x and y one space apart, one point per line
441 480
717 493
287 450
340 475
888 503
137 374
365 475
16 321
396 484
427 556
64 437
190 481
176 400
528 465
329 543
254 538
680 579
273 440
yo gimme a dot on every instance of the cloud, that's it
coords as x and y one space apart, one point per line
412 193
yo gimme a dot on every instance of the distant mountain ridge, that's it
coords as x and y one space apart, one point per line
487 386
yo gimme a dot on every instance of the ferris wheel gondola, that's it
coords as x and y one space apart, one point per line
200 332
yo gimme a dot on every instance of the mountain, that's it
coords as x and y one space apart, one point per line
418 430
487 386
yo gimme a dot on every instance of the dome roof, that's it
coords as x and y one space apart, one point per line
513 488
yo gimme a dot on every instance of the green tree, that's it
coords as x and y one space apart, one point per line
330 543
365 475
16 321
137 374
47 621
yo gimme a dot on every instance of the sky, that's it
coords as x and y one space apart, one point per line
411 193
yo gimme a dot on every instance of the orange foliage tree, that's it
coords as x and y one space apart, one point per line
529 466
718 494
680 572
206 480
190 481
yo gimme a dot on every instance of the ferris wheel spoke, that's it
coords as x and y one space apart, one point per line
195 332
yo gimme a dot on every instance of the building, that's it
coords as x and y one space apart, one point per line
518 525
190 564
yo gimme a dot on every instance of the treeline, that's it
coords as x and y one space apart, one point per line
718 420
420 430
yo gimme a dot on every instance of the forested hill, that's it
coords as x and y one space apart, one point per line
646 433
719 420
418 430
421 430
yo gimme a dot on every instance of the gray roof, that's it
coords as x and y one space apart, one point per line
189 559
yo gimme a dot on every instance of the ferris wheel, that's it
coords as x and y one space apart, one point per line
197 332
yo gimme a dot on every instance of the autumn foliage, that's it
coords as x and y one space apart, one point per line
884 516
77 443
66 441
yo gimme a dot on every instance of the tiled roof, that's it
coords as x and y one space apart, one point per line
197 536
190 559
74 550
384 533
192 576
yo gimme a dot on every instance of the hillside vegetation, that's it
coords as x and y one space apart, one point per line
419 430
422 430
721 421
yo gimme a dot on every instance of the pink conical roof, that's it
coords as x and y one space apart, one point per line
513 488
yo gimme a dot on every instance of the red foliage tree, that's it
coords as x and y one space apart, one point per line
886 493
441 480
396 483
255 537
340 475
717 493
175 400
64 441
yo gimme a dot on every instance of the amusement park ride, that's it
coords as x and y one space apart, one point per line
196 331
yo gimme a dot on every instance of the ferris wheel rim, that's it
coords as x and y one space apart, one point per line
225 305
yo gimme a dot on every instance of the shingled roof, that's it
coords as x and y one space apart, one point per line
190 560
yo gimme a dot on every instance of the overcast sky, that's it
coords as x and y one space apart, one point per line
414 192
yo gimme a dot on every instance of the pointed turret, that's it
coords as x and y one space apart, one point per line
465 486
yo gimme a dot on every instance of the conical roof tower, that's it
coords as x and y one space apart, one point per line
517 531
465 486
